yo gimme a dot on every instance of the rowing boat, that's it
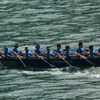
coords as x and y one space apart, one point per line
40 64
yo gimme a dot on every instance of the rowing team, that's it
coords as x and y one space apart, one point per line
57 53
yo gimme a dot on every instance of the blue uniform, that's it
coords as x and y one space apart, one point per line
50 53
8 52
58 51
39 51
29 53
16 50
99 50
81 50
93 53
70 54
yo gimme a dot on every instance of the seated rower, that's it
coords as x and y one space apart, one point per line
16 51
49 54
92 52
81 51
38 52
7 53
99 50
58 52
28 54
69 53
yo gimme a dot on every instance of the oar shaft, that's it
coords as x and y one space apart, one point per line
22 61
1 64
87 60
48 63
67 62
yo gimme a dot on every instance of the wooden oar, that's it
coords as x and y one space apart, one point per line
48 63
0 58
87 60
1 64
66 62
20 59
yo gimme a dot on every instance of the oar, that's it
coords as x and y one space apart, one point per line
20 59
87 60
48 62
66 62
1 64
0 61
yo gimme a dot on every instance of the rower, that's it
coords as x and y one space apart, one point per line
58 52
49 53
28 54
7 53
92 52
68 52
38 51
99 50
81 51
15 49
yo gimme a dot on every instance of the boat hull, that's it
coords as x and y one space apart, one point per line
39 64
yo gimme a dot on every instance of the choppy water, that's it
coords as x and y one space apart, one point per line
49 22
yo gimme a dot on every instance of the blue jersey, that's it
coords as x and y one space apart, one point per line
70 53
8 52
38 51
80 50
29 53
16 50
99 50
50 53
60 51
93 53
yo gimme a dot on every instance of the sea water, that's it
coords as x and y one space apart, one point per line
49 22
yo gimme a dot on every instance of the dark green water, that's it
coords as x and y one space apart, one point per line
49 22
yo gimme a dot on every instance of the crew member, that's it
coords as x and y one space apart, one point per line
28 54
